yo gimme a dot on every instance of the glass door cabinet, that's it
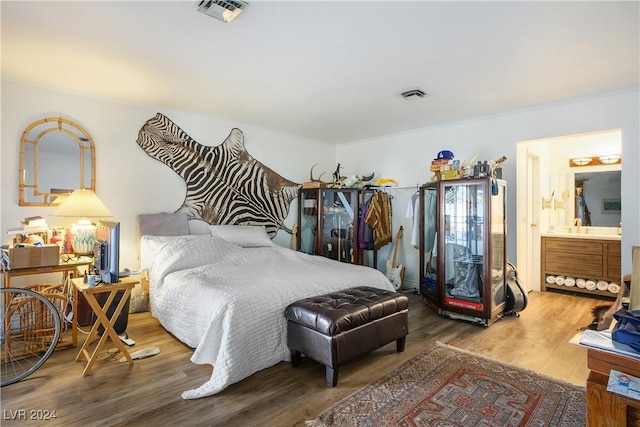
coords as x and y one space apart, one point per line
463 248
328 223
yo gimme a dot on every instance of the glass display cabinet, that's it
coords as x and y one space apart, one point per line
328 223
463 248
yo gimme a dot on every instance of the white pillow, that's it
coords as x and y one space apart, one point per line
151 245
247 236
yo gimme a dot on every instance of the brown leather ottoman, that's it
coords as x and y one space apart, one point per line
334 328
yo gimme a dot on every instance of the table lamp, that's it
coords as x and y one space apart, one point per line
59 198
83 204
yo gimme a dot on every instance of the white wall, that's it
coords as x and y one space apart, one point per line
407 157
127 180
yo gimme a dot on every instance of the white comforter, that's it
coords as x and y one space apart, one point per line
228 302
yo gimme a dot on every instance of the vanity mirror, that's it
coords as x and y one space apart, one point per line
597 198
57 156
594 197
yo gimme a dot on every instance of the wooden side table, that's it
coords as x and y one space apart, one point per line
603 407
125 284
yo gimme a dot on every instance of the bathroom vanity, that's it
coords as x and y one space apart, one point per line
581 256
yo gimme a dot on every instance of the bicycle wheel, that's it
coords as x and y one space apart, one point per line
29 333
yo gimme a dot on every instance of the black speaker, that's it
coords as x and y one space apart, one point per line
123 318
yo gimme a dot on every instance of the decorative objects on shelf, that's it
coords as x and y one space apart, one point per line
339 181
83 204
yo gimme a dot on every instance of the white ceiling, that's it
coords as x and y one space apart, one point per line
329 70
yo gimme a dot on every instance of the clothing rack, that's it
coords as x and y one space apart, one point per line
385 188
373 189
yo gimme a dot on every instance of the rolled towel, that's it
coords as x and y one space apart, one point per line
614 288
602 285
590 285
581 283
551 280
560 280
569 281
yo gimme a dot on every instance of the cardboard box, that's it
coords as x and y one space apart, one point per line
43 256
450 174
314 184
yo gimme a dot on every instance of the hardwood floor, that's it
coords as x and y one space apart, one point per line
148 393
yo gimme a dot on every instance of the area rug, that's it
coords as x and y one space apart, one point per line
446 386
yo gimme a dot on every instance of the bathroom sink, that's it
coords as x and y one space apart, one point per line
583 235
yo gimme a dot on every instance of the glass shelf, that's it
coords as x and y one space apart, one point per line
462 247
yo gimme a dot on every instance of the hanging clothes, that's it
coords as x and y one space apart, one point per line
413 209
429 218
365 232
379 218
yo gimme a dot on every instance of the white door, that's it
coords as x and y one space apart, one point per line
528 211
532 276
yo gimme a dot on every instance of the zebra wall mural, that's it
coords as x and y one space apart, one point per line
225 185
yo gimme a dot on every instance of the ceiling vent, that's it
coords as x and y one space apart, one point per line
224 10
413 94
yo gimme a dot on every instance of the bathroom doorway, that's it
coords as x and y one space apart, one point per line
545 189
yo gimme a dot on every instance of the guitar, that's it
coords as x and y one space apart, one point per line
395 272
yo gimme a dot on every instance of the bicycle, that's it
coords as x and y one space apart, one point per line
29 333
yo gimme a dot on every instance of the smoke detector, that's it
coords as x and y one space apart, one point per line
224 10
413 94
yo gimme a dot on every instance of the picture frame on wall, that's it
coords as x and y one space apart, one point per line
611 206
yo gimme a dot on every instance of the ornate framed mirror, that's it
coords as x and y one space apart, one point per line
57 156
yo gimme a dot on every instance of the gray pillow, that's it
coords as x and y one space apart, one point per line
163 224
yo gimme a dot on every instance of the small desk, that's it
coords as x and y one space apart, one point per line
603 407
68 269
125 284
65 268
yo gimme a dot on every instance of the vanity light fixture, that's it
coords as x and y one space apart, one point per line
610 159
581 161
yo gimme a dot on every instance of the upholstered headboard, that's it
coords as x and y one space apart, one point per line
169 224
163 224
160 224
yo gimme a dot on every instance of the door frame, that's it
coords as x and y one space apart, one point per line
528 208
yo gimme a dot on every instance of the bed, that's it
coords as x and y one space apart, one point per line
224 294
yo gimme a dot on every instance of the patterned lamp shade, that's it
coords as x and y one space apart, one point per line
82 204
